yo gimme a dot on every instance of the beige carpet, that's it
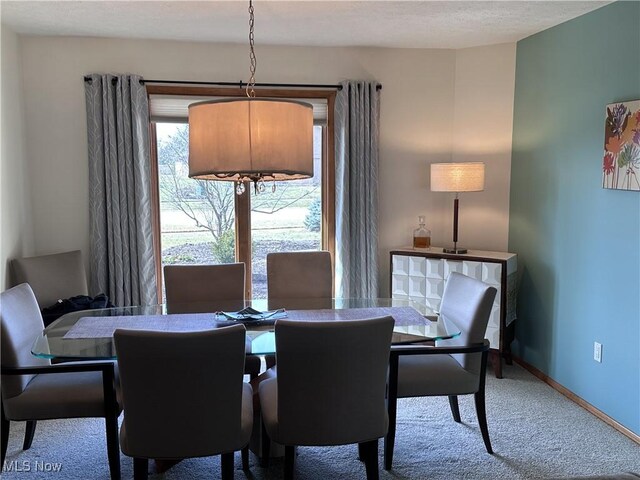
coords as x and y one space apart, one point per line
535 431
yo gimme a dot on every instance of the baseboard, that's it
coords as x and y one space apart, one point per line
575 398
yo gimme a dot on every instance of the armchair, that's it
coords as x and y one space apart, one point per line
51 277
454 367
33 389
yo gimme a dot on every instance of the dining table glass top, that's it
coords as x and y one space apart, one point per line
88 334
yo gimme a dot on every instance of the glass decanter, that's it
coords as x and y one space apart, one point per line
421 235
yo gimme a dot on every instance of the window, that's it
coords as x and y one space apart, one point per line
200 221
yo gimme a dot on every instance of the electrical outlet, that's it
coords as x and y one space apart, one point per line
597 352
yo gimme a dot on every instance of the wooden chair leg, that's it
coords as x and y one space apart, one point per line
482 419
270 361
455 410
266 446
4 426
370 452
289 461
245 458
113 446
29 431
360 453
111 413
392 408
140 468
226 465
480 405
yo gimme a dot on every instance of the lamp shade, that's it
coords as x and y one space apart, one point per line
457 177
250 138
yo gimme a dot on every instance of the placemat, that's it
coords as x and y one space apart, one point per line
103 327
403 316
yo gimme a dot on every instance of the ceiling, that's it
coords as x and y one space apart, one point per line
406 24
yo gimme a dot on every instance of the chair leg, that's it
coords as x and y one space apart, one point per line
140 468
455 410
226 465
482 419
5 434
113 446
270 360
392 408
360 453
370 453
289 461
480 406
266 446
111 413
245 458
29 431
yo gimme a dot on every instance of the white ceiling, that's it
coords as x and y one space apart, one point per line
413 24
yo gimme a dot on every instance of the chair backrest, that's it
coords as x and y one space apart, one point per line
292 275
332 379
467 302
21 323
211 287
51 277
178 400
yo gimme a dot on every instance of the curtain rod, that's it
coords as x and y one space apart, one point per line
239 84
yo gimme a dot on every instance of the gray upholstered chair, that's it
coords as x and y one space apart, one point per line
329 389
454 367
33 389
299 275
51 277
208 288
217 287
178 402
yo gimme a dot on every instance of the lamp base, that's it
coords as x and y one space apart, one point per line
454 250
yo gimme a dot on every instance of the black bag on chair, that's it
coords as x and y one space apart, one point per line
74 304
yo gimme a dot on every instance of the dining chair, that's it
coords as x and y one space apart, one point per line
51 277
33 389
209 288
298 280
190 288
189 407
306 276
453 367
329 388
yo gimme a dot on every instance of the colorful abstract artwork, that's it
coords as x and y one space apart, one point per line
621 163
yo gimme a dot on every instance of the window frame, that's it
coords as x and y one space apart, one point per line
243 202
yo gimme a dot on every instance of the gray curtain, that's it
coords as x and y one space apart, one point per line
356 140
121 234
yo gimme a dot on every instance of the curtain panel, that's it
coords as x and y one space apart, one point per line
356 140
121 234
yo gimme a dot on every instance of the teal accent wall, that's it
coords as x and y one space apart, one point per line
578 244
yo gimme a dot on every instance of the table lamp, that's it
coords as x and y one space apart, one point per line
457 177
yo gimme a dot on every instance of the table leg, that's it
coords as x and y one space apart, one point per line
496 362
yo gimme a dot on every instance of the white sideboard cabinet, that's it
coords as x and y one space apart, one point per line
420 275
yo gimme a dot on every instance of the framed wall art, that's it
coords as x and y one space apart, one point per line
621 162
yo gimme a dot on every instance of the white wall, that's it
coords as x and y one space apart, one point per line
15 210
417 118
482 127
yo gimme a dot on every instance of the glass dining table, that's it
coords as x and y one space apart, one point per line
88 334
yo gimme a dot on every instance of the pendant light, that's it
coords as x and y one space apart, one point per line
250 139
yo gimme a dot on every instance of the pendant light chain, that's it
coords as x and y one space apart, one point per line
251 93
